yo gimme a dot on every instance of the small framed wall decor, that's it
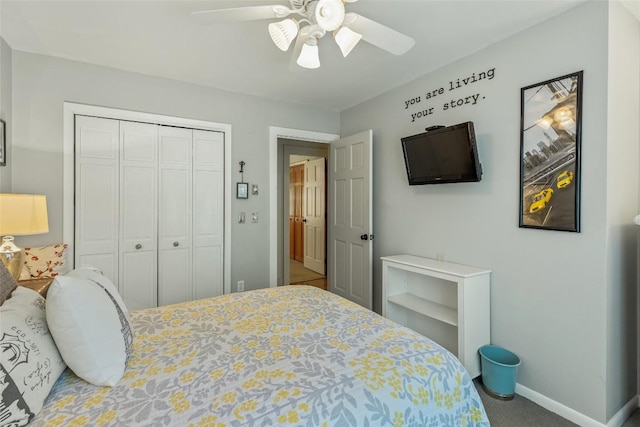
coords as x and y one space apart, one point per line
242 190
3 143
550 123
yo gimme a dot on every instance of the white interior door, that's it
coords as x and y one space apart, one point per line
313 203
208 213
138 214
97 194
175 214
350 218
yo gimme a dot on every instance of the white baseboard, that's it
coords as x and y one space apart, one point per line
624 413
575 416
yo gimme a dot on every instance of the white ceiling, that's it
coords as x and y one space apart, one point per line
158 38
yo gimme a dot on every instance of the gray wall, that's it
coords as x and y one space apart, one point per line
552 293
623 142
41 84
5 111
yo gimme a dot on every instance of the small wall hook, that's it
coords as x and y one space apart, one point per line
242 163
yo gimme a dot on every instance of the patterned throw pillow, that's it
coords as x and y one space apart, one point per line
25 274
29 360
46 261
7 283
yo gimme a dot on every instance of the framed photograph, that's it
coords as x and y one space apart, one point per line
3 143
550 124
242 190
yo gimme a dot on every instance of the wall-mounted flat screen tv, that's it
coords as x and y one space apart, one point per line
442 155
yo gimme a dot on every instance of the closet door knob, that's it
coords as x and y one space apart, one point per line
138 246
176 244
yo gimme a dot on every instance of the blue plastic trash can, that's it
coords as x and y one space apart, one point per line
499 371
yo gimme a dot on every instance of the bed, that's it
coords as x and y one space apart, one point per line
292 355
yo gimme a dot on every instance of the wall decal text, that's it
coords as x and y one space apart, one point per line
443 93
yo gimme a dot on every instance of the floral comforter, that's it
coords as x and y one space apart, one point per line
293 355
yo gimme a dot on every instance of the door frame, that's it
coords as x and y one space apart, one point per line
275 133
71 109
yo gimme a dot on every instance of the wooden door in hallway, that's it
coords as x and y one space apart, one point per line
296 229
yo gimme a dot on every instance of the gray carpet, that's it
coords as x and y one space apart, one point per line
522 412
519 412
634 420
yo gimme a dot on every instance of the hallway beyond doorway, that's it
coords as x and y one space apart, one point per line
303 276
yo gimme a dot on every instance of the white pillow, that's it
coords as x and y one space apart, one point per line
29 361
90 325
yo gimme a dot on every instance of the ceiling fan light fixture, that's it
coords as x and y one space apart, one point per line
309 55
346 39
283 33
330 14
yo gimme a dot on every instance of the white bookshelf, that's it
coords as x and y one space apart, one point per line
446 302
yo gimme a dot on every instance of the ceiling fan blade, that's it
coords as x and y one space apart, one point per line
239 14
379 35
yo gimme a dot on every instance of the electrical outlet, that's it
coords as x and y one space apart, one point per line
254 216
254 189
241 218
240 285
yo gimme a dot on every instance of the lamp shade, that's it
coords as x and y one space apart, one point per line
309 56
23 214
346 39
283 33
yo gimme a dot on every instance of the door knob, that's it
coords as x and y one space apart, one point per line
364 237
304 220
176 244
138 246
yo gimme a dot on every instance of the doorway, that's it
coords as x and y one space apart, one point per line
306 207
350 229
278 138
304 214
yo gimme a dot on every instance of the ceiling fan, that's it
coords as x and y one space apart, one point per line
315 19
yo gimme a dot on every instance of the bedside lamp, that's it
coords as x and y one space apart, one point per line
20 215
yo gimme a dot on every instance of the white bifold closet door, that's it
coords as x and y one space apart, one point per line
174 228
97 190
149 209
138 248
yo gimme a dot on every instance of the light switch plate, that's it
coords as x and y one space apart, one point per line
254 216
241 218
